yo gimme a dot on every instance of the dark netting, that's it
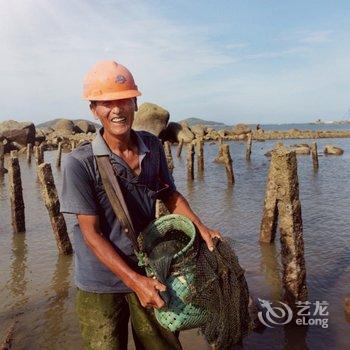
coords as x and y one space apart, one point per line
218 286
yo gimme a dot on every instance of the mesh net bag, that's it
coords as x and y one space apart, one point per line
204 289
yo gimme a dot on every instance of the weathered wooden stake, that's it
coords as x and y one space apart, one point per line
16 195
179 148
200 155
29 152
190 161
52 203
9 337
228 163
59 155
314 155
219 157
2 159
72 145
283 190
39 155
169 156
248 146
161 208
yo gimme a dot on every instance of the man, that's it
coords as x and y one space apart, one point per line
111 288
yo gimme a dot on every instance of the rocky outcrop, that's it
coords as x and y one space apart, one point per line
152 118
333 150
83 126
240 129
64 126
300 149
198 130
174 132
19 132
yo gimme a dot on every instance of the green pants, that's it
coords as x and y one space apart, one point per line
104 321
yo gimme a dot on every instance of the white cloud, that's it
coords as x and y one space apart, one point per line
316 37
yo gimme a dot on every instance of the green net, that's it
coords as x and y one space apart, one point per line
220 287
204 289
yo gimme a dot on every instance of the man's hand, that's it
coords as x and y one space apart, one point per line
146 289
208 235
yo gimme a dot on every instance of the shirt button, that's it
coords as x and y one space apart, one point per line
126 230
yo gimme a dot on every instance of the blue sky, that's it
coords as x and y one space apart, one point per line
230 61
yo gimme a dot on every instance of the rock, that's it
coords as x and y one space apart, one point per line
83 126
198 130
64 126
152 118
20 132
212 135
333 150
241 129
44 131
222 133
300 149
174 132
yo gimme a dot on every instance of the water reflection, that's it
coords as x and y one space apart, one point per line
17 284
270 267
295 337
57 303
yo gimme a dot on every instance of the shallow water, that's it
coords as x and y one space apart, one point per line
37 284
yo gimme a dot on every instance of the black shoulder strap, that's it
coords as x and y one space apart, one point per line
116 198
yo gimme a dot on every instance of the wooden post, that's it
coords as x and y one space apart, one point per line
16 195
52 203
200 155
179 148
248 146
72 145
59 154
9 337
285 192
314 155
161 208
190 161
219 157
270 213
169 156
228 163
39 155
29 152
2 159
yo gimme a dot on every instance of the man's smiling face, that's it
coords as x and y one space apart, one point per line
116 116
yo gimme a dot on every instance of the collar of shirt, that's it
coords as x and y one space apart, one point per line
100 148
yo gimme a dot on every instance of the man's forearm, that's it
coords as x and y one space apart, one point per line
110 258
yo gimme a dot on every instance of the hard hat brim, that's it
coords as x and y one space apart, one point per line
120 95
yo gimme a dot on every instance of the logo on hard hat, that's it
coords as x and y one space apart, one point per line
120 79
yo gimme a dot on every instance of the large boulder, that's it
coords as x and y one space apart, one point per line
330 149
20 132
240 129
198 130
152 118
64 126
174 132
83 126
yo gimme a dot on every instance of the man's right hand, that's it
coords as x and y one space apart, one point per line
147 289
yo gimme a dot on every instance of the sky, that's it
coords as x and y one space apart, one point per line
245 61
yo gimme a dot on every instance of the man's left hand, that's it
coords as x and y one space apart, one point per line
208 235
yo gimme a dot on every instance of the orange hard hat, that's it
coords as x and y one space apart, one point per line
107 81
